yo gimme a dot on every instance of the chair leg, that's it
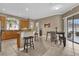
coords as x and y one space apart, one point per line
24 46
56 42
27 48
32 43
33 46
64 42
60 41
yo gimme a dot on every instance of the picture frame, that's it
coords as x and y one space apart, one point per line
47 25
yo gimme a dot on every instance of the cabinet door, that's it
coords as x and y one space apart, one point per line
3 21
24 24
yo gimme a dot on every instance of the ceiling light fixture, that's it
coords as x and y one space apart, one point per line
56 7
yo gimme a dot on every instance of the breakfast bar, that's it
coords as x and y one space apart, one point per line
8 35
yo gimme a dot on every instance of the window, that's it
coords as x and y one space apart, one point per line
12 24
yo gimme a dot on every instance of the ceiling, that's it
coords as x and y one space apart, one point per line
35 10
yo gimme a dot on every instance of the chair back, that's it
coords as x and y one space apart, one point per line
53 36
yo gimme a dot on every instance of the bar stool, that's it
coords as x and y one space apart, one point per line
28 41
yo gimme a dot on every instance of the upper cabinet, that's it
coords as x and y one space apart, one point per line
12 23
24 24
3 22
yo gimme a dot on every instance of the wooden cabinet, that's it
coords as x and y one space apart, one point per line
8 35
24 23
3 22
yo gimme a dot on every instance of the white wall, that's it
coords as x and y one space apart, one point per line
55 21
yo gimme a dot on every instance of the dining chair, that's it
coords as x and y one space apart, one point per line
53 37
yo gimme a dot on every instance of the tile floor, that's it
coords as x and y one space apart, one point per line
42 48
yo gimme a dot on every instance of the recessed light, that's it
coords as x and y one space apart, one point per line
56 8
27 9
3 9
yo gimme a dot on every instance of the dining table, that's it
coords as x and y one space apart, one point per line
61 36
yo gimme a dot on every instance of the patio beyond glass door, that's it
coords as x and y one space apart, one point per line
73 33
73 29
76 29
70 28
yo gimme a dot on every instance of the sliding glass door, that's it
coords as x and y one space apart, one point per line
76 29
73 32
70 28
73 29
